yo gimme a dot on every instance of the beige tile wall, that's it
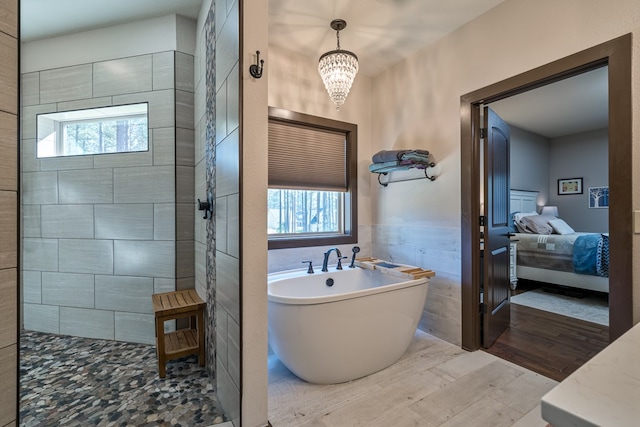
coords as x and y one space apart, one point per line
8 211
8 306
102 233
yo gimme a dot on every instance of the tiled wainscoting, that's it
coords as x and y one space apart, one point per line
432 248
102 233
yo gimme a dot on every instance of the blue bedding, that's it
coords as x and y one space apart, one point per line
591 255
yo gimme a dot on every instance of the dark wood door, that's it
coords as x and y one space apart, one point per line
496 310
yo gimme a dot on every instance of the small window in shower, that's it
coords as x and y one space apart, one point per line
118 129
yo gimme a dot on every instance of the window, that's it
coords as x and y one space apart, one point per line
119 129
299 212
312 198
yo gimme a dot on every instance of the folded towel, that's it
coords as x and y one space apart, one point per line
392 155
416 155
373 167
382 167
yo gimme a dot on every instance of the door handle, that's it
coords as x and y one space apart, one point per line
510 235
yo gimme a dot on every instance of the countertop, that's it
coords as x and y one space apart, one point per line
605 391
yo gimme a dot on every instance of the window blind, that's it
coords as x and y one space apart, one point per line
307 158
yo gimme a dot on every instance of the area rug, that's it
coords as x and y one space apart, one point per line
589 308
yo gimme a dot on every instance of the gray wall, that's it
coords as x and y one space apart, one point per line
100 233
538 162
530 157
583 155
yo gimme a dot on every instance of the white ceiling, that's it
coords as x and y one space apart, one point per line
380 32
577 104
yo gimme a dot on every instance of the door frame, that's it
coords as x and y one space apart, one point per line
616 54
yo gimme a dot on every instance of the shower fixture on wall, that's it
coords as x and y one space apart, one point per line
338 68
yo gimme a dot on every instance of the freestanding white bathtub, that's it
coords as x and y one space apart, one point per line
330 334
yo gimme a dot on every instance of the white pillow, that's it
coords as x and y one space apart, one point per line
560 227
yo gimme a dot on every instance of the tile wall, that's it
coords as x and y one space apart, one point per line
227 205
202 121
217 265
102 233
432 248
8 211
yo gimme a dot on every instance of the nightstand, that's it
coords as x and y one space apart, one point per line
513 278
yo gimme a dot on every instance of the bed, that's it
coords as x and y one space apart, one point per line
576 259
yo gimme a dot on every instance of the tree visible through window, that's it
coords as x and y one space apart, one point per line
105 136
301 211
117 129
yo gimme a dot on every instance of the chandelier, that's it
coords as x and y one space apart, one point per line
338 68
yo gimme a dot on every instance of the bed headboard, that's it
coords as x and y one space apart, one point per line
523 201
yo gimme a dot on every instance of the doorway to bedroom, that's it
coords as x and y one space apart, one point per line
612 58
558 319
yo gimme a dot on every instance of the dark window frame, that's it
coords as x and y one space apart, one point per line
350 233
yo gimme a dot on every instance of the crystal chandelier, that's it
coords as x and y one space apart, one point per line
338 68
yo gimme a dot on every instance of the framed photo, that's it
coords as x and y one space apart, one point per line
598 197
570 186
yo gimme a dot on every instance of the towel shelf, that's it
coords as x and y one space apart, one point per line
389 181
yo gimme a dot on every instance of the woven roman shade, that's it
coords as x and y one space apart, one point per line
306 158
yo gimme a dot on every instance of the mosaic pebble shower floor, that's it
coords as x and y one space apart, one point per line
71 381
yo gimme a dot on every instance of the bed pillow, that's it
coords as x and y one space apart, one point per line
537 224
521 228
517 216
561 227
517 220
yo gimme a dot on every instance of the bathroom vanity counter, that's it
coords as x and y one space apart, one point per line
605 391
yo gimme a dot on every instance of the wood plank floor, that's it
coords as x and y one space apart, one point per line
547 343
435 383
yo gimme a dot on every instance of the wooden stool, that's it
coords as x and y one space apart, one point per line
183 342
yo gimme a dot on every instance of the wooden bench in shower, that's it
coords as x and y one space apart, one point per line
183 342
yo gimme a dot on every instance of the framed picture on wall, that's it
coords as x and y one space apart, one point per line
569 186
598 197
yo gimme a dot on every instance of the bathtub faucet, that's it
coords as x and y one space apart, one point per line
355 250
326 258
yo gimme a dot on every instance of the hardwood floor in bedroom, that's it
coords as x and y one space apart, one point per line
547 343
